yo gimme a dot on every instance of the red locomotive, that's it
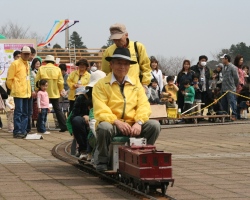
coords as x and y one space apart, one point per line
145 168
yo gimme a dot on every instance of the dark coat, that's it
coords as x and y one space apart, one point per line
196 70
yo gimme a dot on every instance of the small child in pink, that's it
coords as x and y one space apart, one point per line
43 106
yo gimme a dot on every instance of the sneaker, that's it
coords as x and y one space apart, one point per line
10 131
101 167
19 136
62 130
83 156
46 133
77 154
89 157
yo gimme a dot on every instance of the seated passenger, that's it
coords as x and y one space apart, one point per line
121 107
80 114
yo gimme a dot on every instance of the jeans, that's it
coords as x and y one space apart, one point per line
229 100
30 112
105 131
59 115
42 119
80 132
20 116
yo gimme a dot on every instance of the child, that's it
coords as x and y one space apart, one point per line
189 95
153 95
43 106
10 107
198 89
169 93
243 103
218 75
214 81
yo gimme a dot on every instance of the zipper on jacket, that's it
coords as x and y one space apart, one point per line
124 98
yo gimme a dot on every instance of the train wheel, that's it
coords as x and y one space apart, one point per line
164 188
146 188
138 187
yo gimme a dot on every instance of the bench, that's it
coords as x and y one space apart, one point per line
159 113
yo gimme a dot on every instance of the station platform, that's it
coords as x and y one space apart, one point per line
209 162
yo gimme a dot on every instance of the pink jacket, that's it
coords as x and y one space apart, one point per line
241 80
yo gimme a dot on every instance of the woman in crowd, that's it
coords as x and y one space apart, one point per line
156 73
36 63
238 62
185 74
76 79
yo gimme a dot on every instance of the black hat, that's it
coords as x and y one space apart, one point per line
83 61
121 53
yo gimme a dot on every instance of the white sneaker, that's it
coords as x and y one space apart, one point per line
10 131
83 156
46 133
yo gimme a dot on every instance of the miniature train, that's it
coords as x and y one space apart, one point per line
145 168
141 166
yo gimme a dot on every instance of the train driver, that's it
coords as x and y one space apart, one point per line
121 107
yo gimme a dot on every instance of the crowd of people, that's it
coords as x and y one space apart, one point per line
199 85
115 100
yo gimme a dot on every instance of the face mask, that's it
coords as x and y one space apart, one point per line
203 64
93 68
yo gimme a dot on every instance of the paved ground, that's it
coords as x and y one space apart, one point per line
209 162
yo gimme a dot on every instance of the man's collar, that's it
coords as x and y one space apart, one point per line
126 78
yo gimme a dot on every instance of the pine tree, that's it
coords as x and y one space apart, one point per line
76 40
56 46
109 43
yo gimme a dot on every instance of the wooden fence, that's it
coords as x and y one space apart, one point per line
71 56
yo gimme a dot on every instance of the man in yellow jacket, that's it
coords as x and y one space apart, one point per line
18 81
120 107
53 75
119 35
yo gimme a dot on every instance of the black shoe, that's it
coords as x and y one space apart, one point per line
19 136
62 130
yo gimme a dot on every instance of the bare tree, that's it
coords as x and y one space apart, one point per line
13 30
170 66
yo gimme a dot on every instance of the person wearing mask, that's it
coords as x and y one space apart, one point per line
93 67
76 79
18 81
203 72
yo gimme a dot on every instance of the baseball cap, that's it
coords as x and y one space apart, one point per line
117 31
225 56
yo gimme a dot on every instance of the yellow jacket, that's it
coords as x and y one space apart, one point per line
18 79
73 79
109 103
54 77
134 71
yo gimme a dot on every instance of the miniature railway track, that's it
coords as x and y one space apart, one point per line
62 152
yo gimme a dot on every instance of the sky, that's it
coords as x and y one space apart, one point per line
183 28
